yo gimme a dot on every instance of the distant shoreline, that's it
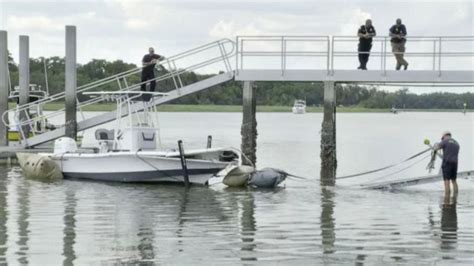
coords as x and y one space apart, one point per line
238 108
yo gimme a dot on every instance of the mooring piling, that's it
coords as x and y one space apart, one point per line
71 82
24 80
328 136
249 122
209 142
3 86
184 165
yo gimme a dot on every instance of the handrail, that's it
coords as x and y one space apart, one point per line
248 46
436 52
221 46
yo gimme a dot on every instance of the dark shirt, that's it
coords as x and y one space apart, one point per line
398 29
450 150
149 68
363 30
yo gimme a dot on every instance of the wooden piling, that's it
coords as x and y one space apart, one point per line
24 80
184 165
3 86
71 82
328 136
249 123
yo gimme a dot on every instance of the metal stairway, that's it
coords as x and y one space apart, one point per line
203 57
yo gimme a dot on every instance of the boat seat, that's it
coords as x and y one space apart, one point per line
104 134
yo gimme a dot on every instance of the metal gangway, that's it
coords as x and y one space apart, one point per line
204 58
433 59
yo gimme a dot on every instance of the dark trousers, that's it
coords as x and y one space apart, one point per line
364 57
148 76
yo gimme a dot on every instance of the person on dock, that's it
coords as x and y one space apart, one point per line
148 71
449 165
365 33
398 33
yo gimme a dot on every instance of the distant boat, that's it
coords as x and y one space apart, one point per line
299 107
394 110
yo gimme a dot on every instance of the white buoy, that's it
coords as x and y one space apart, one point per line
238 176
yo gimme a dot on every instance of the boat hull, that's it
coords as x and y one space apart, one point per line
132 167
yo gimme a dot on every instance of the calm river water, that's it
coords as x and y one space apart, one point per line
77 222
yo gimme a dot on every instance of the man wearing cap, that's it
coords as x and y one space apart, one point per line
398 32
449 166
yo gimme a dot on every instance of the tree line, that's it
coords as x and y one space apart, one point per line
230 93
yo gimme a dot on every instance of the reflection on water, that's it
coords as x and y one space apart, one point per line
23 221
328 235
83 223
247 227
3 216
69 232
449 223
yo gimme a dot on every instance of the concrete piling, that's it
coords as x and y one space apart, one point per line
249 123
71 82
328 136
24 80
3 86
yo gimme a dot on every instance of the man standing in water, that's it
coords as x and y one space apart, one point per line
398 33
449 166
365 33
148 70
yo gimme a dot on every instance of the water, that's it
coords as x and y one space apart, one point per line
300 223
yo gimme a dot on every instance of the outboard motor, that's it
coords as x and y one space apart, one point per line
65 145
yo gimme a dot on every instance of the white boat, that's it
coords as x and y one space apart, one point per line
128 153
299 107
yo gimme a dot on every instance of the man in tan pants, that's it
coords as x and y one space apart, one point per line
398 33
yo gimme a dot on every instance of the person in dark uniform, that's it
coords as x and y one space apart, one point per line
148 62
449 166
365 33
398 32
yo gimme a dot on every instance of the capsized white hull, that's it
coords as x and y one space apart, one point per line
143 167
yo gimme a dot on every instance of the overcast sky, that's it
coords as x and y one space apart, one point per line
124 29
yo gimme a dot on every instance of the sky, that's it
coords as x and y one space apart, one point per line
124 29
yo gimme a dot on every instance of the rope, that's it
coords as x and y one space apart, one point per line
401 170
386 167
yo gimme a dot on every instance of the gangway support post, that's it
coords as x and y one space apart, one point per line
328 136
249 123
71 82
3 85
24 79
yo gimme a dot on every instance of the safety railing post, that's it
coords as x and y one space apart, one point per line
384 56
434 55
328 54
282 54
241 53
332 55
237 55
439 57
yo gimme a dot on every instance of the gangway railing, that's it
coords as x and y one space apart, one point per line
221 51
434 52
325 53
284 48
